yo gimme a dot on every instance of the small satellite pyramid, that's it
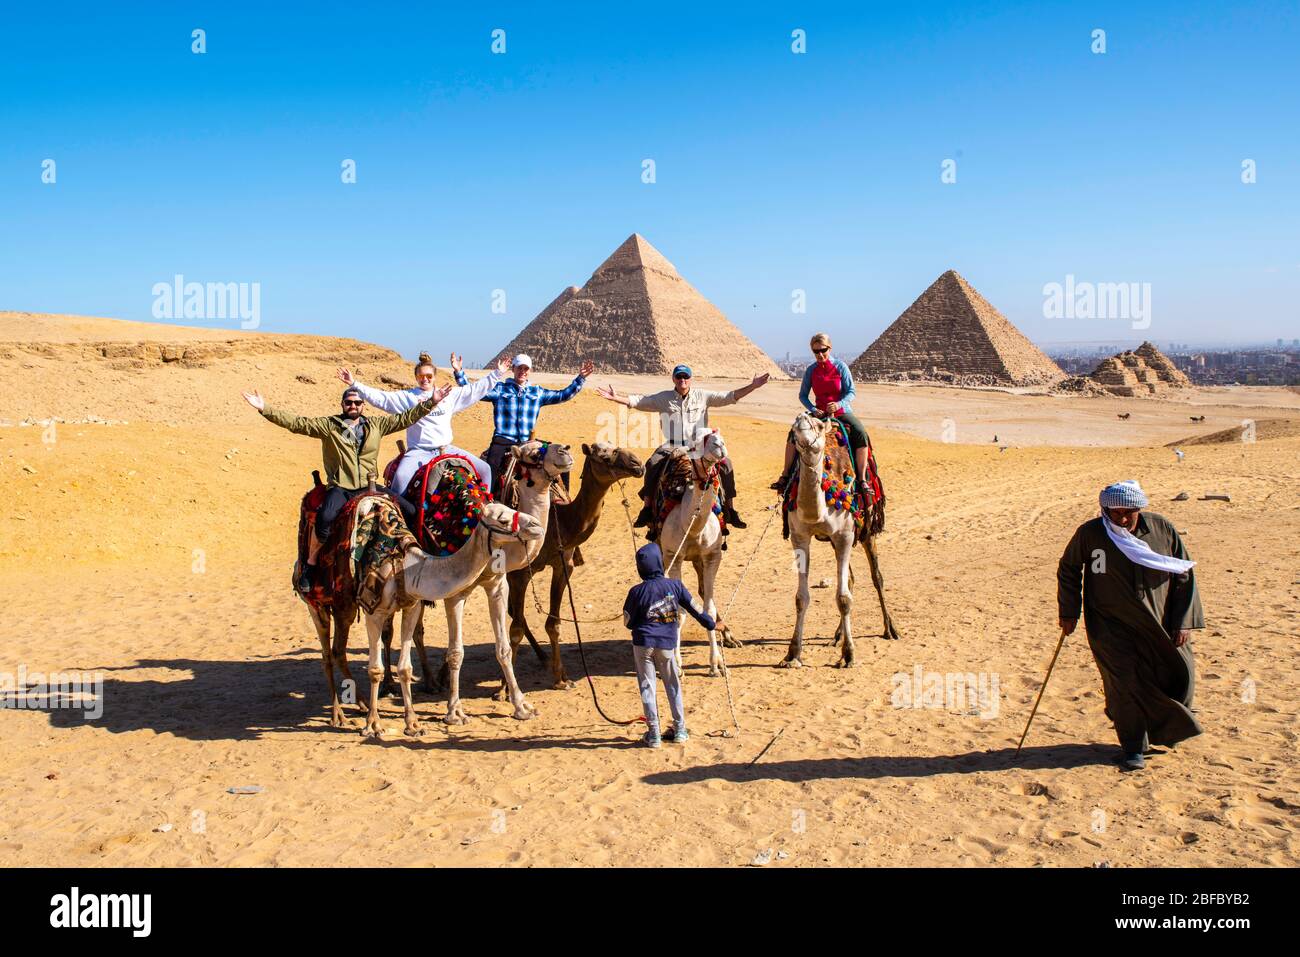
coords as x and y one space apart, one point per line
637 315
952 333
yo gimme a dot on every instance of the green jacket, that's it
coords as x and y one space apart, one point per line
346 465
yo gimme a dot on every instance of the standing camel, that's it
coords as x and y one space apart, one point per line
538 467
427 579
571 525
692 533
811 517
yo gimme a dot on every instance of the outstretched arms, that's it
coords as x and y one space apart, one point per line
314 426
381 399
551 396
403 420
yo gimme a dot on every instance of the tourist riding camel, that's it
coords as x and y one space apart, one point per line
827 392
682 410
431 435
349 450
515 407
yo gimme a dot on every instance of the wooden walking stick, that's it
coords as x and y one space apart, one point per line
1040 693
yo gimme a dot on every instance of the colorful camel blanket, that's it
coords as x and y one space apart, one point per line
840 486
449 497
369 535
379 542
677 477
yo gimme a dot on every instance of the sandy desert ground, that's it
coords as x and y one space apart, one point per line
155 548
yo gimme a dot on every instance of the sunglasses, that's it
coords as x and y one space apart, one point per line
352 402
682 378
820 352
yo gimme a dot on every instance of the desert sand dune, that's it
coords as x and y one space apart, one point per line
158 552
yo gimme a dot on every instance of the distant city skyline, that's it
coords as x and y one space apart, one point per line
433 178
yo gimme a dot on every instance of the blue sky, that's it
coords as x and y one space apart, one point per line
775 171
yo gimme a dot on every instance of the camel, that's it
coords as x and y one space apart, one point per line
428 579
692 533
539 464
811 517
538 467
571 525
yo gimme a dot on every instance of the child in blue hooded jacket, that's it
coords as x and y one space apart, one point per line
652 612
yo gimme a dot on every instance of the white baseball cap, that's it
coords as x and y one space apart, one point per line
522 359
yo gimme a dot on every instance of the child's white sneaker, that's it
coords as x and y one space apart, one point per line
676 735
650 739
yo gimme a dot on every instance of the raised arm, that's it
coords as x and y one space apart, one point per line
551 396
317 427
384 400
403 420
466 394
610 393
744 390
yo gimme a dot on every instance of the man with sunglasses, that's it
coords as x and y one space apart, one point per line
683 409
1140 604
350 452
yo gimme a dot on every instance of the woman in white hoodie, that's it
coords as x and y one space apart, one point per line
430 436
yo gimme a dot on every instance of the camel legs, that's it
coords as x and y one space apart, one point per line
455 608
411 618
375 669
339 652
879 581
844 594
431 683
387 687
793 657
495 587
322 624
559 568
706 571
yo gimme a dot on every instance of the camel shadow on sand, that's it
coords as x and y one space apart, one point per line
870 767
210 700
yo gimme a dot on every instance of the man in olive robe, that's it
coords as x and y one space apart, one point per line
1140 604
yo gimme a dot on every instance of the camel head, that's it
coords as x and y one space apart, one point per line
809 437
550 457
708 447
506 521
608 463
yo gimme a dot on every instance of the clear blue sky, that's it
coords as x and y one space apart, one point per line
775 171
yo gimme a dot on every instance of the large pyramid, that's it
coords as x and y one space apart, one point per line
637 315
953 334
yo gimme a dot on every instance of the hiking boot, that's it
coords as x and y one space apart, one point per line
676 735
733 519
303 583
1133 762
650 739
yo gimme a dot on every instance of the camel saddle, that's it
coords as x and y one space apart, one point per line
840 487
364 527
449 498
677 475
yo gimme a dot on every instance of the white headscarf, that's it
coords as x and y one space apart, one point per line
1139 552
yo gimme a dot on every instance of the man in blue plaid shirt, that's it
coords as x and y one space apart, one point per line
516 406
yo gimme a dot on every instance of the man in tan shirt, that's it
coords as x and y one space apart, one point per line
683 409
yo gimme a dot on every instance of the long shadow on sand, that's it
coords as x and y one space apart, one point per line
209 700
1056 756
